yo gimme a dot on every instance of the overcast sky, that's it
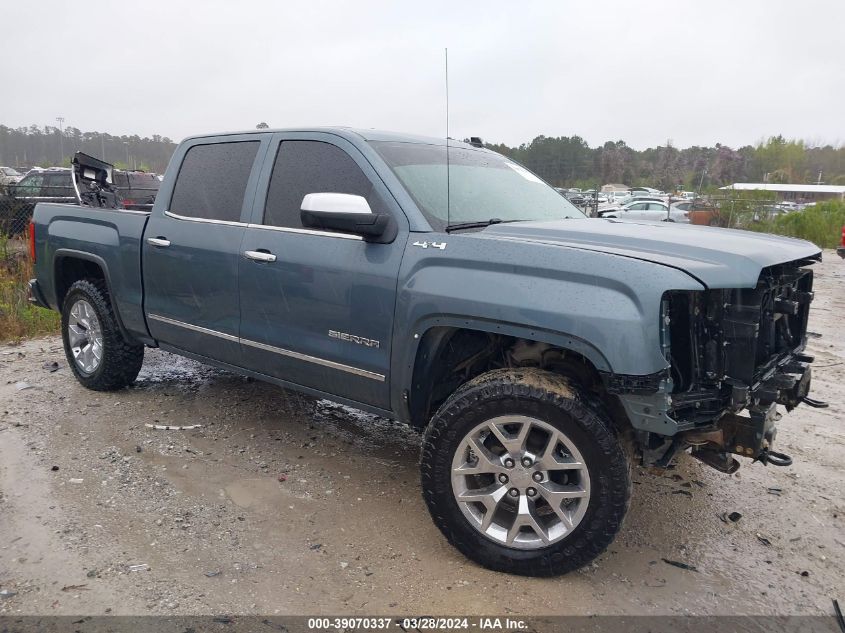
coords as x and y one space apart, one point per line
691 71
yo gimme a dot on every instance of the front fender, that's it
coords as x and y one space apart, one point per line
605 307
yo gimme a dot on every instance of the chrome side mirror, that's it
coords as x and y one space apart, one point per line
342 212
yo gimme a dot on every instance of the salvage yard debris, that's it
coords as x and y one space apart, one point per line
840 619
167 427
733 517
680 565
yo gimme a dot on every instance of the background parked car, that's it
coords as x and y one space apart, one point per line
646 210
619 197
137 189
9 176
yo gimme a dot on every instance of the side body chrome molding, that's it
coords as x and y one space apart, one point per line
265 227
195 328
270 348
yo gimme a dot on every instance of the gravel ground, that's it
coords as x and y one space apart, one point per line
281 504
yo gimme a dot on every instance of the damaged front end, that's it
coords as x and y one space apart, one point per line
734 355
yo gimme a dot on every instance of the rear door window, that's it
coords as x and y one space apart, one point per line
212 180
58 186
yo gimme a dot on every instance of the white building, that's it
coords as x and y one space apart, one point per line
795 193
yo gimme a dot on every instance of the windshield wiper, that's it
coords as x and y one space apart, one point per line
476 225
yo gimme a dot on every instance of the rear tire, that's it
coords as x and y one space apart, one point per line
96 351
541 540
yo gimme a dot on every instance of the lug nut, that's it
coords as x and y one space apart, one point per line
508 463
513 492
538 477
531 492
526 461
503 478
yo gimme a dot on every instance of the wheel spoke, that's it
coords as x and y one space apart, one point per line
526 517
75 334
513 443
556 494
88 357
549 461
492 493
489 497
486 462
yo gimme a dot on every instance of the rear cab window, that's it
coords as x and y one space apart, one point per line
212 180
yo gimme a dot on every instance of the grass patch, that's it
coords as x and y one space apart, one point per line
19 318
821 224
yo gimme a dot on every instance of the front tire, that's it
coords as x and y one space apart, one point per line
96 351
522 475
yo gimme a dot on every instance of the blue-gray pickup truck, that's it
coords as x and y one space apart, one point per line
540 352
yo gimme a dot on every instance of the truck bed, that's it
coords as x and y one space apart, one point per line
110 238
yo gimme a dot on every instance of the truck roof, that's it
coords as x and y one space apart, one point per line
347 132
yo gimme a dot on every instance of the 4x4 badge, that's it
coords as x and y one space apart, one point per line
440 245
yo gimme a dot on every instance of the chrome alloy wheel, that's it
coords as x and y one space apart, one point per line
520 481
85 336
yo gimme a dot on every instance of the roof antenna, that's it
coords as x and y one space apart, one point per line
448 209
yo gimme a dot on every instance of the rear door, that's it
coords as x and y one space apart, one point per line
656 211
636 211
192 246
320 314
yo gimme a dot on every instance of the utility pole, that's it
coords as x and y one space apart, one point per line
61 121
700 183
126 143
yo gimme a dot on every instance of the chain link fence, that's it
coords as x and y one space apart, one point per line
15 215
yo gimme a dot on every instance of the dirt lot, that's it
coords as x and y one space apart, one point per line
87 491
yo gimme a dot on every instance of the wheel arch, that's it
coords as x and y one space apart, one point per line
474 346
71 265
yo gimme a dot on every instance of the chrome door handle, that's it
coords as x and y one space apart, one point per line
260 256
158 241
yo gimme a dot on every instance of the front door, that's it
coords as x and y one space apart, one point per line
191 249
317 307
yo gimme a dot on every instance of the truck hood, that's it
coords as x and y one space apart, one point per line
718 258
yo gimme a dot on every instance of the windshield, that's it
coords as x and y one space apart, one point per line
482 185
10 172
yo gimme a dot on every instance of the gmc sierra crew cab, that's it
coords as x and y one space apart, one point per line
540 352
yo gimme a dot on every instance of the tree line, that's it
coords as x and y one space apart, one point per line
565 161
571 162
47 146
